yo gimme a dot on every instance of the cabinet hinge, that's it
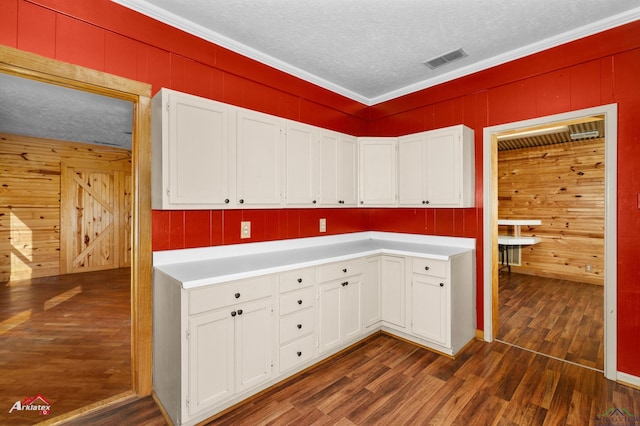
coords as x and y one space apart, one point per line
167 106
188 333
186 402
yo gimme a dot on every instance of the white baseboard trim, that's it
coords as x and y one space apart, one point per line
629 379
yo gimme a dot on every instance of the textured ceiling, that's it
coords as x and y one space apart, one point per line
33 108
374 50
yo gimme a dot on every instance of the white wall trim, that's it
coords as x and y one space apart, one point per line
628 379
610 250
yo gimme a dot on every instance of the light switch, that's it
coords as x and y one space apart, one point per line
245 229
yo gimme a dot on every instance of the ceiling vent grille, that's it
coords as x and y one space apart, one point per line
446 58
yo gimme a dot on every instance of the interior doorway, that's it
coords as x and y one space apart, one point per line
31 66
490 220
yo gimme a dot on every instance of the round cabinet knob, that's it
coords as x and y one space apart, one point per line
299 280
241 201
239 311
299 353
233 313
226 201
344 270
314 201
299 326
300 302
427 202
426 268
237 295
424 202
345 283
441 284
361 202
341 202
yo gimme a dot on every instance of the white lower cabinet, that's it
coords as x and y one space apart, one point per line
340 303
442 302
215 345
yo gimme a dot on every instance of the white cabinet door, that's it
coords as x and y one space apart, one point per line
411 170
190 152
348 170
377 172
430 309
351 307
394 285
329 308
302 165
443 167
253 344
449 167
340 305
371 291
260 159
211 359
338 169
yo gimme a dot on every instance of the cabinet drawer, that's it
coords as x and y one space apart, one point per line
436 268
296 301
296 325
296 353
299 278
338 270
220 295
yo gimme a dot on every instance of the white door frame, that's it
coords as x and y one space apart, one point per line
610 113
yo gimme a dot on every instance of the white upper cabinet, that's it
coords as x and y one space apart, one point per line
260 159
338 169
377 172
190 152
436 168
302 164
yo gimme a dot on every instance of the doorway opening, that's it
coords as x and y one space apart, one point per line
492 265
30 66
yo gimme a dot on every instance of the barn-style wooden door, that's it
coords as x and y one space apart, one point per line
95 219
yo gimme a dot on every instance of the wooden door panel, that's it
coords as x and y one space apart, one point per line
95 230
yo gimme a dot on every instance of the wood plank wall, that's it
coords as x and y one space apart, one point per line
30 200
563 186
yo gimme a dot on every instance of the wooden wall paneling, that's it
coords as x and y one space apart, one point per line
562 185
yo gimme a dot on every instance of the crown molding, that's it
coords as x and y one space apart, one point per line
146 8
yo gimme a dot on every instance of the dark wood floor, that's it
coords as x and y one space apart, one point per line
67 338
386 381
556 317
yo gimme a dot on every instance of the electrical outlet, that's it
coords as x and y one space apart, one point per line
588 268
245 229
323 225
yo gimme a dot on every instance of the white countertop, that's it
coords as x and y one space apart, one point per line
211 265
508 240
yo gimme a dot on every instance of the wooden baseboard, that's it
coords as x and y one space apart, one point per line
106 404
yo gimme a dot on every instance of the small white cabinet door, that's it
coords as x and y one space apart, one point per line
430 309
260 159
190 152
329 324
377 172
351 306
340 307
394 284
302 165
253 344
411 170
371 291
337 169
449 167
211 359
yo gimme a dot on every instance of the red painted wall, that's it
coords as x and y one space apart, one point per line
597 70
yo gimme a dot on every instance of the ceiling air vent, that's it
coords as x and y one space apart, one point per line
446 58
